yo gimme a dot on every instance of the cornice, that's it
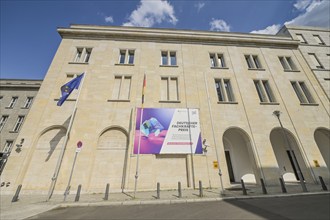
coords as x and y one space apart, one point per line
174 36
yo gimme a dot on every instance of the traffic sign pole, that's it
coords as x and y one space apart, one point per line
78 149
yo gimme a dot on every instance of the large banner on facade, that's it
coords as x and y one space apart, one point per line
167 131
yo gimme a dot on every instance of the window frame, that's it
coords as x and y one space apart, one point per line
264 91
288 64
120 89
19 123
169 92
82 55
224 91
126 57
219 61
3 121
319 40
12 102
303 93
28 102
318 65
166 58
302 40
253 62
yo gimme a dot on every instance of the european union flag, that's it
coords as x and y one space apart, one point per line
67 88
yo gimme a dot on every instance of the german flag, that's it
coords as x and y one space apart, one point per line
143 89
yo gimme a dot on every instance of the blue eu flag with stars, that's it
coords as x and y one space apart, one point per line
67 88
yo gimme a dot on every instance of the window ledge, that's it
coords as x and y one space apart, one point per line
317 69
118 100
168 66
124 64
291 70
13 131
259 69
78 63
221 102
309 104
25 107
269 103
169 101
9 107
216 67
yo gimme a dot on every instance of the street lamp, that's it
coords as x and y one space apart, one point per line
295 162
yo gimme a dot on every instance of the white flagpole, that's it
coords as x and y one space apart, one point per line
59 161
216 149
138 155
139 145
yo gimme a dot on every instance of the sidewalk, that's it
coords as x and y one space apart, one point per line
30 205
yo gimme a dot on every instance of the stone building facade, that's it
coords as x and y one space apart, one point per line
16 98
314 44
236 81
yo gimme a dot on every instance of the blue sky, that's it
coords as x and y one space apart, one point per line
29 38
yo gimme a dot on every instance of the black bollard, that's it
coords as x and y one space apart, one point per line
200 189
179 190
264 190
243 187
158 191
106 196
15 198
283 186
324 187
78 193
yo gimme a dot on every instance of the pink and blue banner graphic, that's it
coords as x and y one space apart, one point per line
168 131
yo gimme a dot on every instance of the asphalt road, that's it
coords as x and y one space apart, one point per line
309 207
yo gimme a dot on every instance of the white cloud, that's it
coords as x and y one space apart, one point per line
316 14
273 29
302 4
108 19
219 25
150 13
199 5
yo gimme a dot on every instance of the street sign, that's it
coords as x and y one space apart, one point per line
79 146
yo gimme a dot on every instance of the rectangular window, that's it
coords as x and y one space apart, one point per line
301 38
224 90
82 55
169 89
217 60
315 61
318 40
18 124
126 56
8 146
302 92
168 58
28 102
12 102
253 62
287 63
121 89
3 121
264 91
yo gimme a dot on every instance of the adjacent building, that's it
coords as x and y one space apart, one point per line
212 92
314 44
16 98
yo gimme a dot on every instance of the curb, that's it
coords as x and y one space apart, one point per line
175 201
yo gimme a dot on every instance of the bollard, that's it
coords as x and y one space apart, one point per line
283 185
78 193
264 190
179 190
243 187
158 191
106 196
324 187
200 189
15 198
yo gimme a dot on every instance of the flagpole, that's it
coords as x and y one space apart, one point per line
216 151
60 159
139 145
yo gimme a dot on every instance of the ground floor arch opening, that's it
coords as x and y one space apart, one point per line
322 139
239 156
286 150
